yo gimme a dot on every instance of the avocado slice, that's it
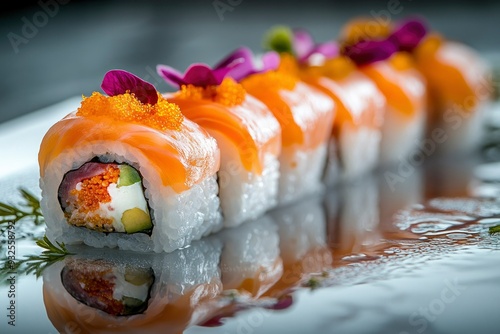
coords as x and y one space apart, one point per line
136 220
133 305
138 276
128 176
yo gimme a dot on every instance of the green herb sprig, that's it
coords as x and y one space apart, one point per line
29 208
37 263
494 229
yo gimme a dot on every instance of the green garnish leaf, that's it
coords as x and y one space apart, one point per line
279 39
494 229
29 208
36 263
313 283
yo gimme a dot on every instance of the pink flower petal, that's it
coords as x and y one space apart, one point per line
200 75
409 34
173 77
118 82
303 44
367 52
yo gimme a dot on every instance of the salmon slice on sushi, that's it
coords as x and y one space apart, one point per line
360 106
305 116
127 170
248 135
404 88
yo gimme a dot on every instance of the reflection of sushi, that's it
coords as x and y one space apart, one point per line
404 88
128 171
352 231
305 116
250 261
123 292
247 133
303 243
116 290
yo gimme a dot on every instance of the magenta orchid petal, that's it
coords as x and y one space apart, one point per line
173 77
238 56
240 62
200 75
117 82
328 49
270 61
303 44
367 52
409 34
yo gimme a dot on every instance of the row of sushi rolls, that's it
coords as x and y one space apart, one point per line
249 143
140 170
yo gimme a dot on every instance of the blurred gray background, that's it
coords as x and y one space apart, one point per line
55 49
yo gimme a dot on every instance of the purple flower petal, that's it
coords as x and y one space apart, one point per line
246 67
367 52
409 34
303 44
171 75
238 56
238 65
271 61
116 82
327 49
196 74
200 75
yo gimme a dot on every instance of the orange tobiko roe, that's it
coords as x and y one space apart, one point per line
95 190
228 110
126 107
180 152
285 95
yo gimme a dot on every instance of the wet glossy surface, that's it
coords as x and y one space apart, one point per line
363 258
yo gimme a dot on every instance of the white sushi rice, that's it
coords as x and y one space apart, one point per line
178 218
401 135
245 195
358 151
301 172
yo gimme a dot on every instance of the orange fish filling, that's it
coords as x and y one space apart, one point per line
127 108
228 93
93 192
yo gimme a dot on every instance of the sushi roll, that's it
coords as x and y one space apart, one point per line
248 134
126 292
404 88
460 88
360 105
305 116
129 171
